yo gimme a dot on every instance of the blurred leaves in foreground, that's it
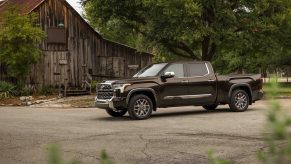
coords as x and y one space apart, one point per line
215 160
55 156
277 134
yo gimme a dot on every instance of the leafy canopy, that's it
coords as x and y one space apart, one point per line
196 29
19 42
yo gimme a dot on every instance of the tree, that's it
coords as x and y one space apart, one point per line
195 29
19 42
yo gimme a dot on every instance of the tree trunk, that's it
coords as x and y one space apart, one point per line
208 50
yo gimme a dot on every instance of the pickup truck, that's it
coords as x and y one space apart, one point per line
177 84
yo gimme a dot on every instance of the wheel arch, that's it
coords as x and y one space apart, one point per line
145 91
244 87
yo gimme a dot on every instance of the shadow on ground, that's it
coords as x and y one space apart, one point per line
157 115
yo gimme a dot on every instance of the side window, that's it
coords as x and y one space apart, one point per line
197 69
178 69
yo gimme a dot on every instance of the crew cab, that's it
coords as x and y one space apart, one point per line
177 84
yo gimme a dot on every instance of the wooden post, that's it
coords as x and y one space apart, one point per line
287 73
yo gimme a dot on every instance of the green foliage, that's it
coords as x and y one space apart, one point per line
196 29
46 90
6 90
215 160
278 136
55 156
19 42
24 90
94 85
104 158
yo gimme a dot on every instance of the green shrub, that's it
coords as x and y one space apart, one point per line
26 91
94 85
6 90
46 90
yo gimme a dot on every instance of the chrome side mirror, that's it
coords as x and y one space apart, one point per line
168 75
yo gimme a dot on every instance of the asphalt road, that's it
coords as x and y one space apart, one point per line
173 135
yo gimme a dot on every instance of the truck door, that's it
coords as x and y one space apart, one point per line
173 89
202 83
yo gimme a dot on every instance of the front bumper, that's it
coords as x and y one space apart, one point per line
113 103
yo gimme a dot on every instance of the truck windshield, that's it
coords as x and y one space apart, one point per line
151 70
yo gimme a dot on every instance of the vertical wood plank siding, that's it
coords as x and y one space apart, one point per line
85 49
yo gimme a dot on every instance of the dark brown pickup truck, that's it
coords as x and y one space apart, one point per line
177 84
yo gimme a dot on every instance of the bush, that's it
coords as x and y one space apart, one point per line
7 90
94 85
46 90
26 91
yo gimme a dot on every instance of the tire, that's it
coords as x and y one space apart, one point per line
117 113
239 101
140 107
210 107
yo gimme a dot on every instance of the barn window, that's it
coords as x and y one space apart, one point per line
57 35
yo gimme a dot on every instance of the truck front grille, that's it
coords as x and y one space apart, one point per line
104 91
104 95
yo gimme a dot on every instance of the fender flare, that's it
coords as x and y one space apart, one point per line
138 90
240 85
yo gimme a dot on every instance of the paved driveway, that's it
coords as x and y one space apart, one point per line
174 135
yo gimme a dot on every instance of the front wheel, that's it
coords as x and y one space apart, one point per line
116 113
239 101
140 107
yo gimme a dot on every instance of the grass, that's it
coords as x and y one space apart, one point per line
284 89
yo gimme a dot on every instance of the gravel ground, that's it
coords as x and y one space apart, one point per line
173 135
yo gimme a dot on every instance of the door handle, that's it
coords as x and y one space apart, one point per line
184 81
210 80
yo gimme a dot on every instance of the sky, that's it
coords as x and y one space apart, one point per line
76 5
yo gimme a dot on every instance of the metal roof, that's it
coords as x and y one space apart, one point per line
25 6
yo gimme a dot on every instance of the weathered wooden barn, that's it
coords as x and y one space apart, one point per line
72 49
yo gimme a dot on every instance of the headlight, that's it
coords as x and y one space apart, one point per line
121 87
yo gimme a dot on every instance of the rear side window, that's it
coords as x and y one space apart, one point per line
178 69
197 69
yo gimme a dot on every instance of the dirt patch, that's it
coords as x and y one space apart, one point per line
87 101
15 101
83 103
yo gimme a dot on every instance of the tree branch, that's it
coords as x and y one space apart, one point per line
182 46
173 50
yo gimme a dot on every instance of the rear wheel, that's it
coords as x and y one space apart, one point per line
210 107
239 101
116 113
140 107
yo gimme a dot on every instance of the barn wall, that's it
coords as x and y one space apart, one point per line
85 51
